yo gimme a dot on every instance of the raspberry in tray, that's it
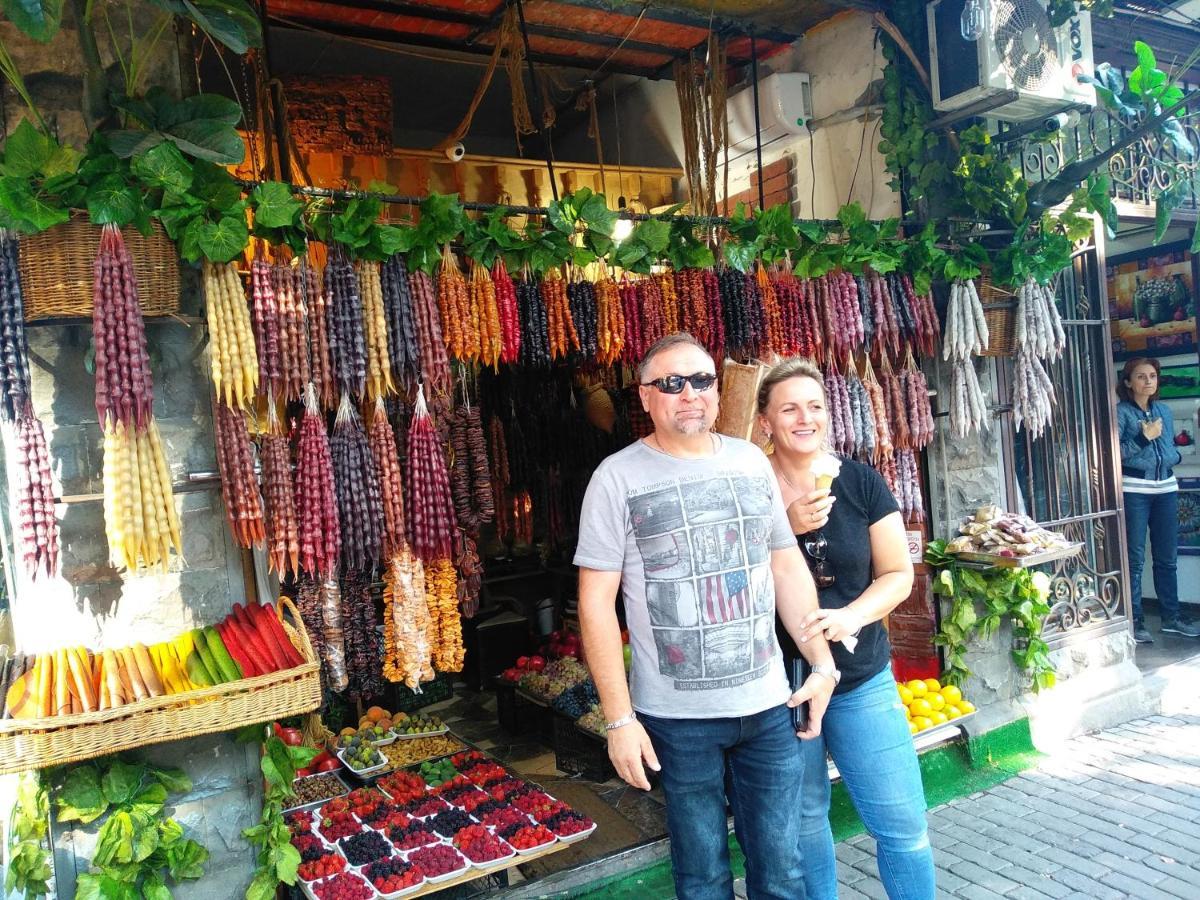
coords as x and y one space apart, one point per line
346 886
569 822
438 860
412 836
505 816
428 805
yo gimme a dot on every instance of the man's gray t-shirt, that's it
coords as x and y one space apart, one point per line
692 539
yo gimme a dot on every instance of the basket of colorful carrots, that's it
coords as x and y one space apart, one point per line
72 703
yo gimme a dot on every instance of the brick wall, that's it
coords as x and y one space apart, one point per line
778 181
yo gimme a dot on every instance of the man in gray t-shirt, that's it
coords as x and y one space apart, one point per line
690 527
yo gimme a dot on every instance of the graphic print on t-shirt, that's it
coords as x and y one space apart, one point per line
705 547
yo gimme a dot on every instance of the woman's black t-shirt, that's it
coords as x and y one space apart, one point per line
863 499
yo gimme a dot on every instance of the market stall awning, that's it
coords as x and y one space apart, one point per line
615 37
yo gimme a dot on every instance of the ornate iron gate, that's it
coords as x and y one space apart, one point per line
1068 480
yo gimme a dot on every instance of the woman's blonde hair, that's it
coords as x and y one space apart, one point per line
785 369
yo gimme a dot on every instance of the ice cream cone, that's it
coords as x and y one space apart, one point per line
825 470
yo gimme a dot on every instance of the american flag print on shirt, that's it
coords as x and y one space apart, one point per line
726 596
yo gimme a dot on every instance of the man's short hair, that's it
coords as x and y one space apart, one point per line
670 342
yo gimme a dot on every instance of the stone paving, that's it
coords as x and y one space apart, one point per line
1109 815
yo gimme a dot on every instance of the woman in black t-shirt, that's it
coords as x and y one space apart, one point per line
852 535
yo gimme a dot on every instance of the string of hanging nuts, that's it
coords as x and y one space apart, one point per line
653 325
320 605
435 367
441 596
239 486
404 351
363 642
283 528
287 279
316 303
509 311
427 498
772 314
407 653
124 384
316 498
634 346
359 497
232 353
535 323
344 325
469 571
14 347
563 336
669 302
581 300
610 321
266 324
387 463
460 328
486 308
738 331
379 363
33 497
139 508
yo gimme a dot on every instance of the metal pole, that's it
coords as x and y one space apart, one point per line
762 198
274 96
545 132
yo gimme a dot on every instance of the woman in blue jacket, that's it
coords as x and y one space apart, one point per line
1148 458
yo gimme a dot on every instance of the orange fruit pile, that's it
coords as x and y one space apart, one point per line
928 703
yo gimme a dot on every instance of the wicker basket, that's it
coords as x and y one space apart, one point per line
56 270
1000 313
38 743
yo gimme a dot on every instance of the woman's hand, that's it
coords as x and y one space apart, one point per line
1152 429
836 624
810 512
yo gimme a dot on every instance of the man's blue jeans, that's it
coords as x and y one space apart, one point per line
766 765
1159 512
867 735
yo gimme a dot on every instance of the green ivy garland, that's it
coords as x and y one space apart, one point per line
980 599
28 859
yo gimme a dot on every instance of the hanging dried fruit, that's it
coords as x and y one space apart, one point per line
344 328
383 450
124 385
427 498
407 654
34 495
239 487
316 498
232 352
360 501
268 339
379 366
139 508
14 348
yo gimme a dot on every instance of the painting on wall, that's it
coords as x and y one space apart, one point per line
1152 302
1189 516
1179 382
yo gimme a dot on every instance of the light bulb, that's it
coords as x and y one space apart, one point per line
971 23
622 230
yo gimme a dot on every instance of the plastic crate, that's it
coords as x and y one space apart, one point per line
405 699
576 752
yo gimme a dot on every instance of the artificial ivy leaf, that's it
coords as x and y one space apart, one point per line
629 254
169 832
186 858
80 798
224 239
164 167
38 19
128 142
597 215
114 843
561 217
284 859
814 231
210 139
149 800
111 201
1173 129
216 186
122 781
582 256
275 206
176 781
145 833
27 150
1195 247
263 887
154 888
740 256
1164 205
197 108
653 234
851 215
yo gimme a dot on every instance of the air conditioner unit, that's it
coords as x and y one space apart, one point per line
784 109
1019 50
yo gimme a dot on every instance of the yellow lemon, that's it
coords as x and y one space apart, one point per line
952 712
937 701
908 713
923 722
912 728
918 687
939 717
951 693
920 707
966 706
906 696
932 684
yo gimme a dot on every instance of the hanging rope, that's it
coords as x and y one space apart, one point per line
701 89
587 101
509 46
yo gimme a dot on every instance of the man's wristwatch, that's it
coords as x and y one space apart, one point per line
831 672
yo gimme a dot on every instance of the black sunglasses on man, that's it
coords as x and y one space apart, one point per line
673 384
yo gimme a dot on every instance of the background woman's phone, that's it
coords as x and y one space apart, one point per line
798 673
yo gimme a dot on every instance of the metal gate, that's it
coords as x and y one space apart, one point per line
1069 479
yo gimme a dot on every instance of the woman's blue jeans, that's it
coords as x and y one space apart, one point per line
766 764
1159 513
867 735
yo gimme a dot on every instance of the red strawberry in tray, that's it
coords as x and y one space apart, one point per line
337 826
525 838
326 864
392 875
506 815
402 786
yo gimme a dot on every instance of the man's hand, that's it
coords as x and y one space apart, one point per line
816 691
628 747
836 624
